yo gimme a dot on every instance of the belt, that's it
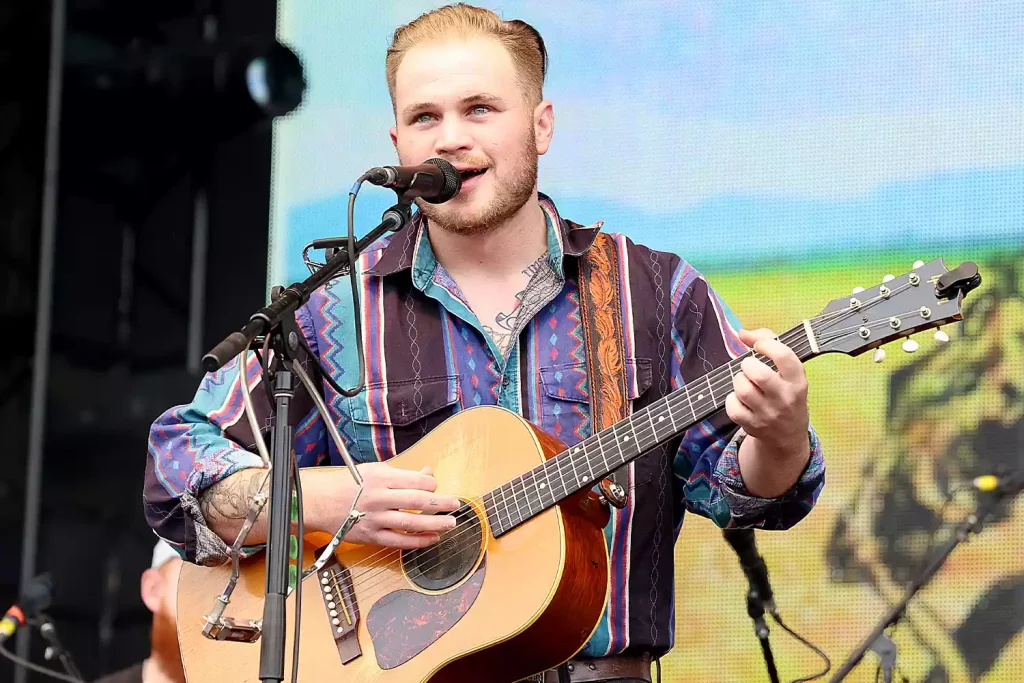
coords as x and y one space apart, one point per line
605 669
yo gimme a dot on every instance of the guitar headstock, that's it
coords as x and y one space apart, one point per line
928 296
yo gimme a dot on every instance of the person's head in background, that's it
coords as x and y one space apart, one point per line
159 586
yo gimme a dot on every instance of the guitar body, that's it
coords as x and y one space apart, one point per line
526 602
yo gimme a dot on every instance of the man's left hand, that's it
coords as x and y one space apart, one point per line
771 405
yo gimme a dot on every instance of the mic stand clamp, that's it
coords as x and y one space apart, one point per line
885 648
54 649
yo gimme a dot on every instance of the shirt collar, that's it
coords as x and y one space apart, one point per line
409 248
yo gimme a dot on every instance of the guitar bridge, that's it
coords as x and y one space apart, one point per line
342 610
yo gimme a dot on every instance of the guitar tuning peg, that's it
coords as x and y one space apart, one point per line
918 264
888 278
910 346
941 336
858 290
879 355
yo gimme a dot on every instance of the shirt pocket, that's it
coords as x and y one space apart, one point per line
565 403
389 417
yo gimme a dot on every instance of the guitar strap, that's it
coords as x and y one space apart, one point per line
601 312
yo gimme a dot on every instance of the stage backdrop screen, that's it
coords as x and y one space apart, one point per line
791 151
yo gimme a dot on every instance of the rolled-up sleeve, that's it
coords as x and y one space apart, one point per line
194 446
706 464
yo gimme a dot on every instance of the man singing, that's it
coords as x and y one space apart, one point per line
477 302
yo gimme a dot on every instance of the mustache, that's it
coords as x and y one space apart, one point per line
468 160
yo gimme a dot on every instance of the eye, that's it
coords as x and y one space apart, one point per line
423 118
480 109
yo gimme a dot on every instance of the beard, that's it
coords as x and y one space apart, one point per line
511 191
164 649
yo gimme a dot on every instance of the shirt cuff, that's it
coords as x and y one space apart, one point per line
749 510
202 545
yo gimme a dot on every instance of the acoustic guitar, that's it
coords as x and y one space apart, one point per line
519 585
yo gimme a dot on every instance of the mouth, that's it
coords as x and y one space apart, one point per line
468 173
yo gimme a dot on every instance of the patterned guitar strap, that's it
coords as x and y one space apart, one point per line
601 311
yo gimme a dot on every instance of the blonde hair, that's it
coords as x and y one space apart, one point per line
460 20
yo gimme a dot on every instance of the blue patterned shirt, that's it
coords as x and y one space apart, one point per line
428 357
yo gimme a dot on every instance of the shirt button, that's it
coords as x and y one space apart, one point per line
504 381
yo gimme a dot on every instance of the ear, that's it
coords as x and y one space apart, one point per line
394 136
152 589
543 125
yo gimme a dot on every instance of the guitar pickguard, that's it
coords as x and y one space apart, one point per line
404 623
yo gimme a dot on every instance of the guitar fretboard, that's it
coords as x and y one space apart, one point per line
589 461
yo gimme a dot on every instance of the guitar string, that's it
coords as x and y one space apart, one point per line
525 491
389 577
822 318
600 442
603 441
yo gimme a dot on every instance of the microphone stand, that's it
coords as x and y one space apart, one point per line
55 649
877 641
277 321
756 610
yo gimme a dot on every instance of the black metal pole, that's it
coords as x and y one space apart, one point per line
270 320
769 659
274 619
971 524
755 609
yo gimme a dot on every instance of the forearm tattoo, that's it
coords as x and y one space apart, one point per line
231 497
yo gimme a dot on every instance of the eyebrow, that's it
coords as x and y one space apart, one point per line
482 97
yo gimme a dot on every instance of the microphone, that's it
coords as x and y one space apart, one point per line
435 180
742 541
1007 485
34 599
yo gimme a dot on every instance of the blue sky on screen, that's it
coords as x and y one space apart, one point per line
779 128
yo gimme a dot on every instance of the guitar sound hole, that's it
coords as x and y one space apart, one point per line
451 559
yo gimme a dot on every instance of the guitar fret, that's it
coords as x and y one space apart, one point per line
525 497
504 507
618 445
604 458
547 484
590 465
572 461
654 429
515 499
536 490
671 413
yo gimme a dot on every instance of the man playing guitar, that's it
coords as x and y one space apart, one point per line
476 302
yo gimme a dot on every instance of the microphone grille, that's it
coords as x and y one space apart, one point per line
452 180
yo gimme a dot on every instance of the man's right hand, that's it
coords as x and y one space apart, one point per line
401 507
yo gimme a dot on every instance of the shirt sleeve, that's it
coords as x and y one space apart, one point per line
194 446
706 465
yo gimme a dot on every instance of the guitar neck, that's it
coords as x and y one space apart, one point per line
594 458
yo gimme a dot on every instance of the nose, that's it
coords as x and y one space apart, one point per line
453 136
